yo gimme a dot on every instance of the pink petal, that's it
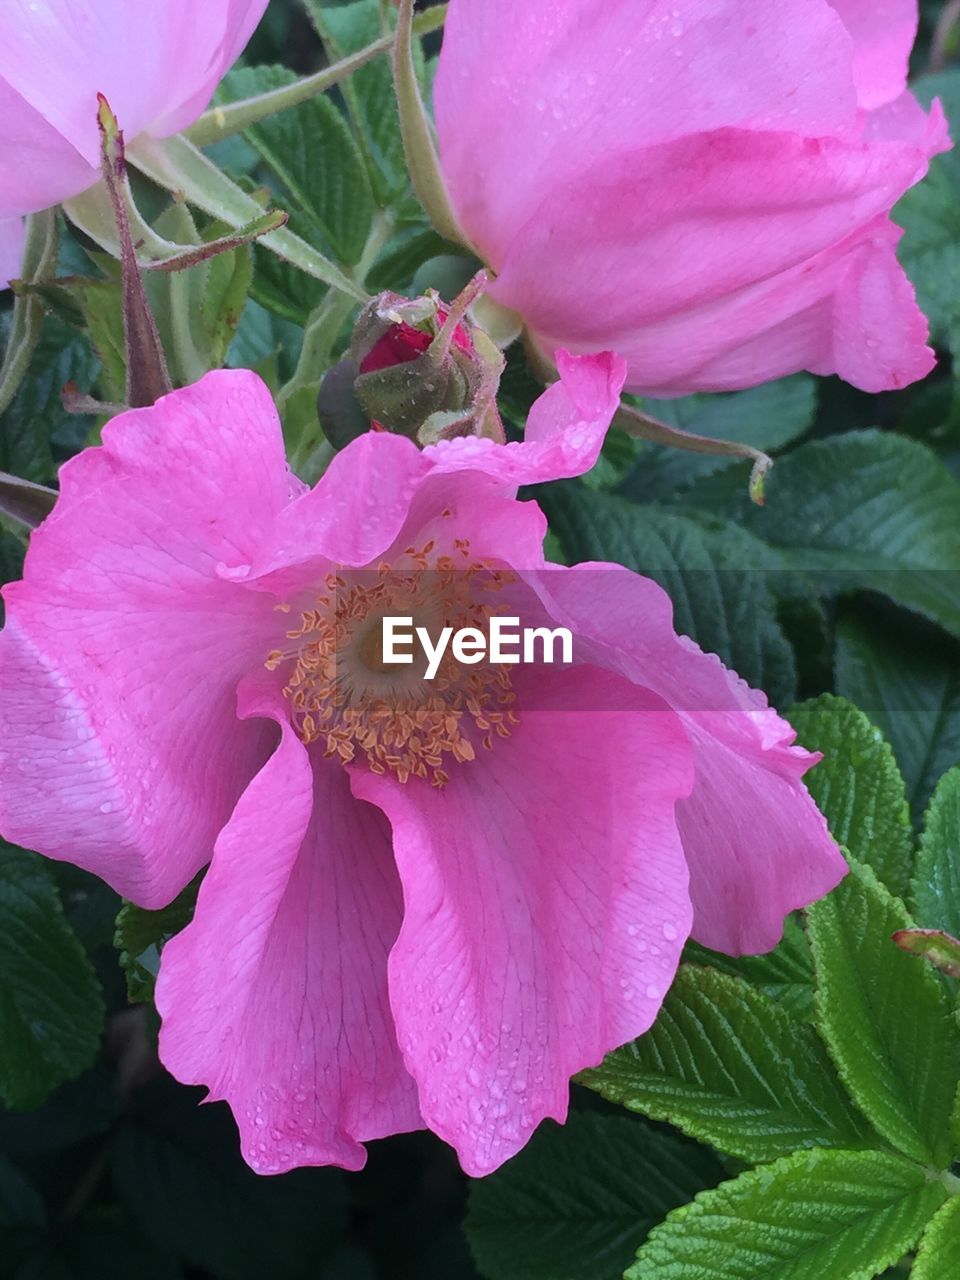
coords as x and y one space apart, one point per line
38 166
11 249
530 97
275 996
709 243
123 646
883 33
540 931
756 844
148 60
564 432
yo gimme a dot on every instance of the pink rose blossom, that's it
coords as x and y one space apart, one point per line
156 63
703 187
11 249
417 913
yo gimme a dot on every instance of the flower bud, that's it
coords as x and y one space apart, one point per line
416 367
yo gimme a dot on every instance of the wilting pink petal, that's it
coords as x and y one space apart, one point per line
739 183
123 645
756 844
11 249
157 65
275 996
523 956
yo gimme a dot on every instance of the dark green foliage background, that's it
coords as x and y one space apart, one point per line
848 584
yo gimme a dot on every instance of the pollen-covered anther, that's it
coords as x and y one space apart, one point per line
348 698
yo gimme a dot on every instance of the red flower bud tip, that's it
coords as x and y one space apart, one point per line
404 343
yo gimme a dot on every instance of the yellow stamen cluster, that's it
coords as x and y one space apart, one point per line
347 698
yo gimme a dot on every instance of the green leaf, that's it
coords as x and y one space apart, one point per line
35 420
140 936
369 92
858 787
766 417
178 1171
940 1247
51 1005
709 568
885 1017
576 1202
936 886
930 216
869 510
815 1215
908 683
785 974
729 1067
312 151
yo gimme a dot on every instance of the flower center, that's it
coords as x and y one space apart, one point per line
348 697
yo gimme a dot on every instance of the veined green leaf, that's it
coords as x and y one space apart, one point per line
51 1005
936 886
858 787
885 1017
729 1067
577 1201
815 1215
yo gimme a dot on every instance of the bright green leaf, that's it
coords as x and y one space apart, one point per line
729 1067
577 1201
815 1215
939 1253
885 1017
936 887
858 787
51 1005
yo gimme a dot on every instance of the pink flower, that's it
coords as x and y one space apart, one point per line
704 188
11 249
420 910
157 65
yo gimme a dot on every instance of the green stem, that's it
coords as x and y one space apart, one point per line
179 166
308 458
328 318
223 122
415 128
39 263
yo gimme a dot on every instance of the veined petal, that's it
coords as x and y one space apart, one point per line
123 644
755 842
539 932
275 996
147 59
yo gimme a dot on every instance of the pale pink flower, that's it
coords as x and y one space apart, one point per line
11 249
156 63
703 187
372 953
